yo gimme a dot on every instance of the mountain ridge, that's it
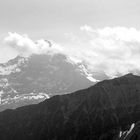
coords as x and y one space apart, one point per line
24 78
99 112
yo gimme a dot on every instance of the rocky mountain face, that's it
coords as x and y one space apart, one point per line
31 80
105 111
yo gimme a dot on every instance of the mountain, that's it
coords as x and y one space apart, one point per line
105 111
31 80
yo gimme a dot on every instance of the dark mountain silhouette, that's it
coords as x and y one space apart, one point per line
31 80
100 112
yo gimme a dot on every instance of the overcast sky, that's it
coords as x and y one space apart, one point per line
63 20
53 18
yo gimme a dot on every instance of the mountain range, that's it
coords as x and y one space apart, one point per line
108 110
29 80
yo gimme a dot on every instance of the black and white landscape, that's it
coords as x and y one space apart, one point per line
69 70
31 80
108 110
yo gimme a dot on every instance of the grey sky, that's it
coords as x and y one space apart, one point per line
53 18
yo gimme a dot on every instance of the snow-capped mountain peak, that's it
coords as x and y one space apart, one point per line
47 74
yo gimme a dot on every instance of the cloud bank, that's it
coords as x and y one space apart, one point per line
111 51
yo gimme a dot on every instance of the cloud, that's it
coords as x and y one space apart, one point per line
26 46
111 51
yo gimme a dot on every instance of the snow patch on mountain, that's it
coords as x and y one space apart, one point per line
4 82
84 71
23 97
126 133
88 75
7 69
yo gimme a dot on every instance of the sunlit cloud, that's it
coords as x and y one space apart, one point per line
112 51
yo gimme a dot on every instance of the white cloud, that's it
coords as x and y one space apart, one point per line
110 50
26 46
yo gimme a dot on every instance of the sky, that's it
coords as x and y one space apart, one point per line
88 27
54 18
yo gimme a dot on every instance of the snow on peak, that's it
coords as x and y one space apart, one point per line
23 97
87 74
7 68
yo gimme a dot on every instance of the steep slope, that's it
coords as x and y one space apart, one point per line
100 112
33 79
